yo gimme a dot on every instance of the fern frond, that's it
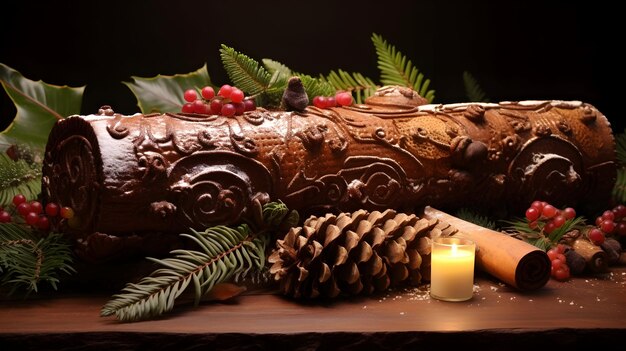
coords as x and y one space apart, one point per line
18 177
280 73
316 86
27 260
356 83
396 69
619 188
620 148
476 218
472 89
244 72
224 253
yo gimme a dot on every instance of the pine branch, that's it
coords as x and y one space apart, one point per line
396 69
472 89
619 188
279 72
316 86
537 236
244 72
26 260
356 83
476 218
18 177
620 145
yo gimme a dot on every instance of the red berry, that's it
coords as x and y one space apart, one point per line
620 229
35 206
599 221
558 220
569 213
18 199
620 212
537 205
31 218
43 223
608 215
556 263
607 226
5 217
216 106
228 110
560 248
549 211
67 212
188 107
562 273
23 209
596 236
549 227
319 101
344 98
552 253
52 209
225 91
240 108
200 107
236 95
532 214
249 104
190 95
533 225
331 101
207 93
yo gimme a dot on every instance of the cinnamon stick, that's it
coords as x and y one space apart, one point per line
597 260
511 260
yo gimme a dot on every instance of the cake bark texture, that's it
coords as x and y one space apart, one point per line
132 177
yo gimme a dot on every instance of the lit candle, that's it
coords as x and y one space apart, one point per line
452 269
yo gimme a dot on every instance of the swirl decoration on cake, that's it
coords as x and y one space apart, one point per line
215 187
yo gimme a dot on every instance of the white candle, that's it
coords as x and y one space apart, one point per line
452 269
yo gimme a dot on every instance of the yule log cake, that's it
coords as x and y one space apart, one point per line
132 177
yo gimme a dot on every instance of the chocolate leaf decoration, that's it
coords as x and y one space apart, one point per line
39 105
165 93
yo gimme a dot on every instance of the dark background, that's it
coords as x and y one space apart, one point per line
516 50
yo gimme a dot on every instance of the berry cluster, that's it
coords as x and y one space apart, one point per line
341 98
228 102
611 222
542 215
559 269
34 213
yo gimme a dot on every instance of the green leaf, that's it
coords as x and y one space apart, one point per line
18 177
620 146
472 89
244 72
279 72
476 218
396 69
619 189
165 93
315 86
360 86
39 105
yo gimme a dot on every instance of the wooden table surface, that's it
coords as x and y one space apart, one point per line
572 314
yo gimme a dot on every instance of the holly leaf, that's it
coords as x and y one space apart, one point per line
165 93
39 105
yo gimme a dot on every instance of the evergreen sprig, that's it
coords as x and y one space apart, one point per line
619 188
472 89
246 73
27 260
18 177
397 69
538 237
222 253
476 218
620 148
360 86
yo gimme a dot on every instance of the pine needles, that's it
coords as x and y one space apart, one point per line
222 253
27 260
18 177
472 89
397 69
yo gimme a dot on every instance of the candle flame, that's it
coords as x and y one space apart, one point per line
454 249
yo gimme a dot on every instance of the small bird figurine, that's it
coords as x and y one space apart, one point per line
294 97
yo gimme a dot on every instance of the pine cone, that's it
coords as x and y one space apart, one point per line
357 253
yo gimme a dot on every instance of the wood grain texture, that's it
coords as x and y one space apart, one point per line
572 314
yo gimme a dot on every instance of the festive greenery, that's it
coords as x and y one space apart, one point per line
27 259
476 218
165 93
472 89
18 177
39 105
396 69
619 189
360 86
521 229
222 254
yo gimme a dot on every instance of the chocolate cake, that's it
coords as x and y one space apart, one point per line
129 178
